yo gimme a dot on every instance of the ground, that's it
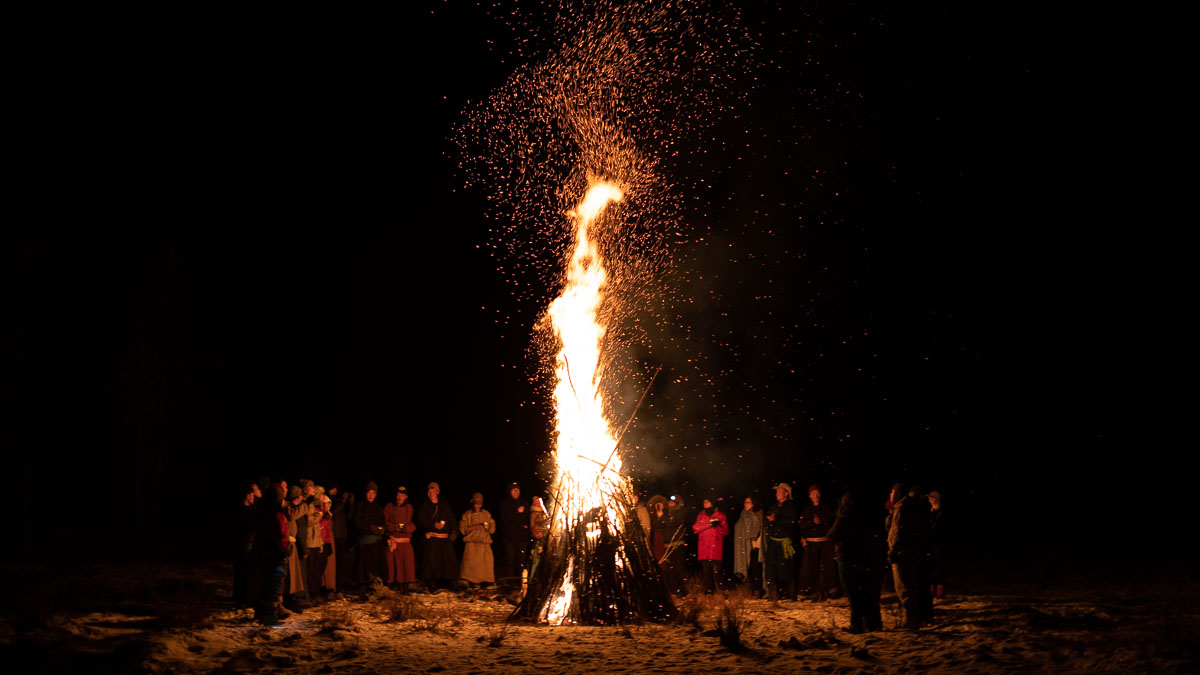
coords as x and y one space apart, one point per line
176 618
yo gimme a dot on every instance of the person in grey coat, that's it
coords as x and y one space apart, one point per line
747 547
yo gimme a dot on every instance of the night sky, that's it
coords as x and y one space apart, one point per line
923 254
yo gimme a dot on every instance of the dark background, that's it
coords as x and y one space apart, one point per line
244 249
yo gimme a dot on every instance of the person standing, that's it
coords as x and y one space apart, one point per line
370 561
328 551
294 587
514 521
818 574
342 510
270 554
435 519
857 544
539 528
401 562
244 524
314 564
779 567
747 547
908 539
711 528
937 570
477 526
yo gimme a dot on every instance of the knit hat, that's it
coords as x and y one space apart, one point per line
294 491
477 498
401 489
433 486
513 486
304 483
319 492
785 487
371 486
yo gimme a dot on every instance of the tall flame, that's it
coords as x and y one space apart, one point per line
588 469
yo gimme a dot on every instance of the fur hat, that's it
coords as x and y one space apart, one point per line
371 486
656 499
785 487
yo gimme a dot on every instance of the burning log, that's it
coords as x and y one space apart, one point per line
597 571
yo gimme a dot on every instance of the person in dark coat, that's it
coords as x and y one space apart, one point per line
779 565
908 542
371 526
818 574
270 554
436 522
244 524
858 543
514 531
937 569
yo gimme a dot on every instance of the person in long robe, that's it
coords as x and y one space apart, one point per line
294 589
371 526
747 547
818 573
857 542
514 531
344 540
779 565
436 523
477 526
329 576
401 563
711 528
314 562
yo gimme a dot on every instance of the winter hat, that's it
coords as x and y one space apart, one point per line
401 489
477 498
319 492
785 487
371 486
656 499
513 486
275 492
936 496
304 483
293 492
433 486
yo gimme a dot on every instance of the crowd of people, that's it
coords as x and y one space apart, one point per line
302 544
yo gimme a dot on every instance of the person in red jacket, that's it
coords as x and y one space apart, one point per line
711 526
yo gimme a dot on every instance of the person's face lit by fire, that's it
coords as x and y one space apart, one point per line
781 495
815 496
515 492
433 494
255 491
708 504
309 491
371 494
748 504
658 508
332 492
401 497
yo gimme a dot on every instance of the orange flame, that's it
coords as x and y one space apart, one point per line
587 468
